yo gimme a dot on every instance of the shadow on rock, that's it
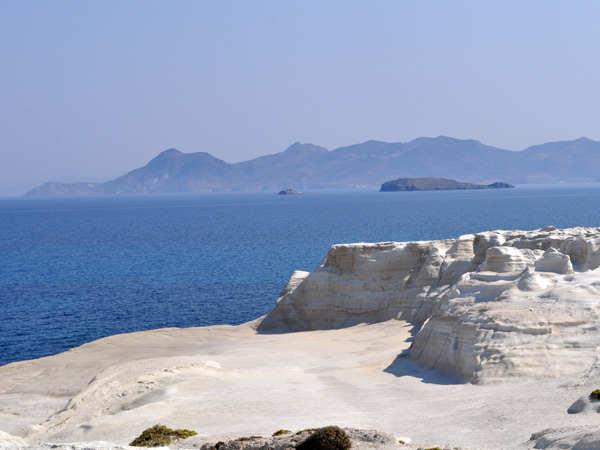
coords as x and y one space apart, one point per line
403 366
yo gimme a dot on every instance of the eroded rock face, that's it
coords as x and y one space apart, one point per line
487 306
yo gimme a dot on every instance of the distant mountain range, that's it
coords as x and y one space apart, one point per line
307 166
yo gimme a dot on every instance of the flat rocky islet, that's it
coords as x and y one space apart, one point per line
436 184
449 343
290 192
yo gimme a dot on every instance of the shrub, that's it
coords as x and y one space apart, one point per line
327 438
281 432
595 394
160 436
306 430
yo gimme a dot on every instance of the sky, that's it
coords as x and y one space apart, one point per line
93 89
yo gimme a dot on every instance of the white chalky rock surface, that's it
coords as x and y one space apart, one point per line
492 305
487 341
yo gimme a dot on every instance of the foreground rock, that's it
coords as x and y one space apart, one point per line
436 184
488 341
361 440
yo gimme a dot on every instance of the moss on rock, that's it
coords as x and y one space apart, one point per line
160 436
281 432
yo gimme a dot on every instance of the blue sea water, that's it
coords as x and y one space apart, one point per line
77 269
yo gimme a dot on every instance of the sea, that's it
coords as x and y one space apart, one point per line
76 269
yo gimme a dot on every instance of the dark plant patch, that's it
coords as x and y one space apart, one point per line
160 436
326 438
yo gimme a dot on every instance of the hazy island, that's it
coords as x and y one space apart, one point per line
290 192
365 165
436 184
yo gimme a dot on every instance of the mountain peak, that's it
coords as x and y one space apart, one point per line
166 155
298 145
455 140
170 151
299 148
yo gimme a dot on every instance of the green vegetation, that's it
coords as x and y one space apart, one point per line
326 438
281 432
401 442
160 436
306 430
595 394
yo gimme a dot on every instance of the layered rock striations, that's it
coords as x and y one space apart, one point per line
485 306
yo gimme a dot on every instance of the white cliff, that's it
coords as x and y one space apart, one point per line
487 306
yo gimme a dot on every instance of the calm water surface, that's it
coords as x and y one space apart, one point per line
76 269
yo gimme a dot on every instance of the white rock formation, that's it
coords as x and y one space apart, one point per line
487 306
581 438
584 403
497 306
8 440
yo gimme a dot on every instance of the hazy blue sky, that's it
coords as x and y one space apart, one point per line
93 89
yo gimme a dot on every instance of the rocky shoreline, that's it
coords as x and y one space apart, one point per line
454 344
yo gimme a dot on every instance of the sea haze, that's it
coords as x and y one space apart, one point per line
80 268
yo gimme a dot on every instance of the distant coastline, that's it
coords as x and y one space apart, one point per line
366 165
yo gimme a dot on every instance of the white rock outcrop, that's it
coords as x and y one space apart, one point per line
485 306
10 441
